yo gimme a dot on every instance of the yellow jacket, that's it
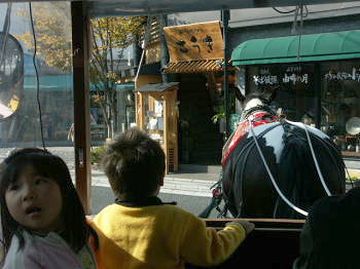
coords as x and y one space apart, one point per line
160 237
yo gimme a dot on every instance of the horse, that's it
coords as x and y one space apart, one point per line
273 167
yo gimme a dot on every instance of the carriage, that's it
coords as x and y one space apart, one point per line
274 243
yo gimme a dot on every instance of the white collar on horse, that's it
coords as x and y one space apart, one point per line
256 105
256 102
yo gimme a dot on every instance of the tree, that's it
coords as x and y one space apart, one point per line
52 24
110 36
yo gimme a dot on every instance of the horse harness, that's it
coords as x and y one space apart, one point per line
261 115
251 118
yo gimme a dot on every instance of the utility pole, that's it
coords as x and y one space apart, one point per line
163 47
225 17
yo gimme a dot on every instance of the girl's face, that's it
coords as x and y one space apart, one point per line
35 202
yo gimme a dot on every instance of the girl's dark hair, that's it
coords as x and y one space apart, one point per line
75 231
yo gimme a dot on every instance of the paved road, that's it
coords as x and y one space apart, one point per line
102 196
67 153
190 194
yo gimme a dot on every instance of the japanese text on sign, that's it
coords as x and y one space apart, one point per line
354 75
293 78
265 80
288 78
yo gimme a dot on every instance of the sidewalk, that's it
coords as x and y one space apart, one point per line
192 180
353 167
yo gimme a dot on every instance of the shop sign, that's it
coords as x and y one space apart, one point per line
198 41
354 75
265 80
287 78
293 69
293 78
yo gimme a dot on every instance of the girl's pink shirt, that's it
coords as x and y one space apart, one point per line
50 252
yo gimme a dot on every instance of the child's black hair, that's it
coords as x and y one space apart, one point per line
76 231
134 164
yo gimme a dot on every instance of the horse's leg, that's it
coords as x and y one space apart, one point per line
228 187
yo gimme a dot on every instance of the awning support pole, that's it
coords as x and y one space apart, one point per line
225 17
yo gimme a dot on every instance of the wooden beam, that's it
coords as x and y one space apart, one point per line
261 223
274 243
100 8
81 102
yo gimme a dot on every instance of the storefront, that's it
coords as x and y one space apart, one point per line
317 78
196 60
158 117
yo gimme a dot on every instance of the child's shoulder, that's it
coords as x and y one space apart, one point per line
22 238
20 247
166 210
174 212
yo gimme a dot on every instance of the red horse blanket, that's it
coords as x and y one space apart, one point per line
256 119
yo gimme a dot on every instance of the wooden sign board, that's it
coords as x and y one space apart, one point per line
198 41
153 53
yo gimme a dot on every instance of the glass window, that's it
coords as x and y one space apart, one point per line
340 100
294 85
54 97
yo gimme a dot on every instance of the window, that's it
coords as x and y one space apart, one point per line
340 100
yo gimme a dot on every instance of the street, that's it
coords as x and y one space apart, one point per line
102 196
192 195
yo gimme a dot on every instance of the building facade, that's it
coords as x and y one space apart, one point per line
321 93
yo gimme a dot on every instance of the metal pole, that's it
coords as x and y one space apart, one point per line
163 48
225 17
317 87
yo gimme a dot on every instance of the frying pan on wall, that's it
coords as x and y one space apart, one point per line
353 126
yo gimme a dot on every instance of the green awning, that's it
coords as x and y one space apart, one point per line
316 47
130 86
62 82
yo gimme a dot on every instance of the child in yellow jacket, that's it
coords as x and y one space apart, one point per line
139 230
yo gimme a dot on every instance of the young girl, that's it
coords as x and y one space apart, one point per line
43 221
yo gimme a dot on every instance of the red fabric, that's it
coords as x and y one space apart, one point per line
242 130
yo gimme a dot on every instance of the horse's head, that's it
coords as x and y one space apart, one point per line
256 98
264 95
